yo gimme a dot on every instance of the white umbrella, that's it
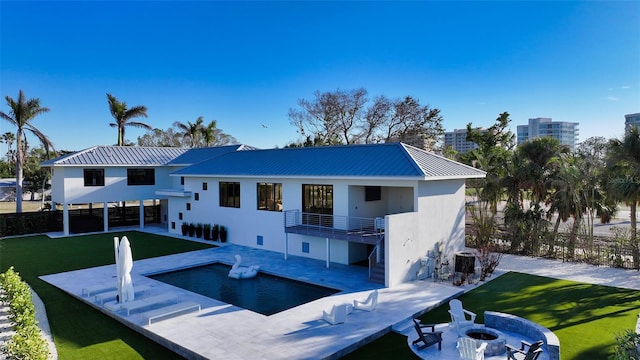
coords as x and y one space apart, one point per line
126 264
116 243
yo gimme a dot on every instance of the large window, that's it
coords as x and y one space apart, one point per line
141 177
230 194
269 196
93 177
317 202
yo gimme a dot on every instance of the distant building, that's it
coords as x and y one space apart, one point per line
457 140
565 132
631 120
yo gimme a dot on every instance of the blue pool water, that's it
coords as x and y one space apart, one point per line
264 294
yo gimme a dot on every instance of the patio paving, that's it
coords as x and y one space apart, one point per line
221 330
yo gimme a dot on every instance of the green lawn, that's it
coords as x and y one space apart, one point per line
584 317
81 332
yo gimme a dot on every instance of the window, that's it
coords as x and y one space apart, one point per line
182 180
179 216
204 186
141 177
317 203
269 196
230 194
196 196
372 193
188 206
93 177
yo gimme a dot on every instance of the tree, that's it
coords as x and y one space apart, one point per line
342 117
213 136
123 116
623 164
23 111
190 130
333 117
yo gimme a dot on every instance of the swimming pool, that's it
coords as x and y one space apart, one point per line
265 294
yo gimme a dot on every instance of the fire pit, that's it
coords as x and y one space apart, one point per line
495 340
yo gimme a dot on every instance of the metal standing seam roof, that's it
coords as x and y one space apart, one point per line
196 155
371 160
118 155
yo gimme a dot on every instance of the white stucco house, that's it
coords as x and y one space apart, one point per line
385 204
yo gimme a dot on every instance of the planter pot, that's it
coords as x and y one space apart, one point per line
223 234
192 230
198 231
215 232
185 229
206 233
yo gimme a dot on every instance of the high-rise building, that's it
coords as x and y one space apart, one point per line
565 132
457 140
631 120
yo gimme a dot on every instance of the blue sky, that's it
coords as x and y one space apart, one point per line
246 63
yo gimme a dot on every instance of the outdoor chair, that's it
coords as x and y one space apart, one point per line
469 349
459 316
534 350
426 338
337 315
368 304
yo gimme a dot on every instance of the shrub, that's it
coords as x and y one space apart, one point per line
27 342
627 346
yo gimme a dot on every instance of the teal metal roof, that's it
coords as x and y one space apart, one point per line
372 160
117 155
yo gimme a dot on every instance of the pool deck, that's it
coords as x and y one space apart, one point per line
221 330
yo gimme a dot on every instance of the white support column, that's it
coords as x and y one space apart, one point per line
286 245
65 219
328 250
141 214
105 216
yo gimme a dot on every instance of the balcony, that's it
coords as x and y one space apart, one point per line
353 229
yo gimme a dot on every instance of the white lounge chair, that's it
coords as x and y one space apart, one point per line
337 315
469 349
459 316
368 304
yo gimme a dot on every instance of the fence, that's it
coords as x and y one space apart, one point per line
80 220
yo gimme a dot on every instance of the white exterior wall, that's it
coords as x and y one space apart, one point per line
439 217
69 186
442 215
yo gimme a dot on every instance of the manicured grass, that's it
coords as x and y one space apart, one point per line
81 332
584 317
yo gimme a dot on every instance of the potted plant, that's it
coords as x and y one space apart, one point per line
207 231
223 234
185 229
192 229
214 232
198 230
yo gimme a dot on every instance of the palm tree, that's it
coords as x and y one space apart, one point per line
209 133
123 115
624 184
23 111
191 130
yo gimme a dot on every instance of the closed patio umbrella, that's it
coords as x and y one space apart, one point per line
125 261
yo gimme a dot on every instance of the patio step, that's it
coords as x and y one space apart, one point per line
377 274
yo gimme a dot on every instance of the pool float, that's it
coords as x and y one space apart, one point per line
243 272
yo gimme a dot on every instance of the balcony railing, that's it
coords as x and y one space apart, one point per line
355 229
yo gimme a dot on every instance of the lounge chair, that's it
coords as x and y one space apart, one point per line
459 316
337 315
534 350
469 349
426 338
368 304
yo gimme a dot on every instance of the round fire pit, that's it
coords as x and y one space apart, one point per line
495 340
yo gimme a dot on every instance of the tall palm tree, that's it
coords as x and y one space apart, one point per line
624 184
23 111
209 133
191 130
123 115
